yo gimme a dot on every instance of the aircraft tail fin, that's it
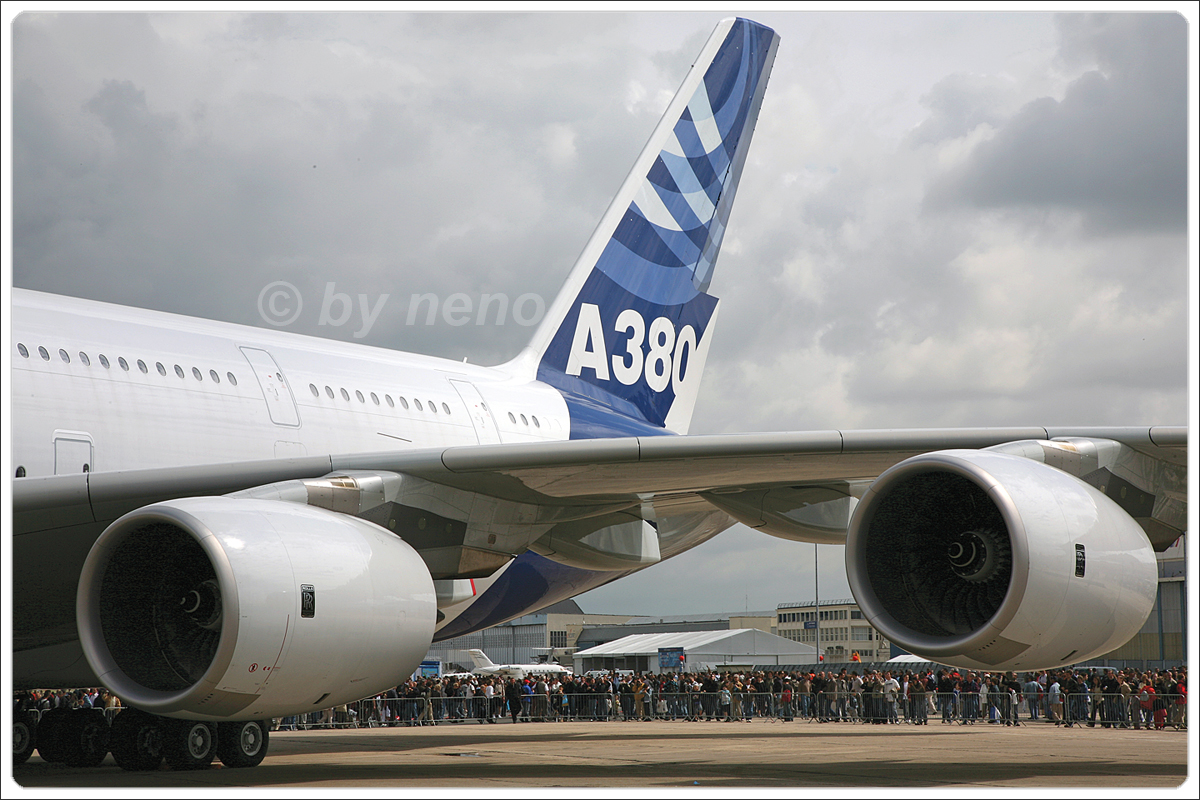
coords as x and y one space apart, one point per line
480 659
626 339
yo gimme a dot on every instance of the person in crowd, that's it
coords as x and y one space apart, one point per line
804 690
946 686
1161 701
786 712
724 700
1179 706
842 697
512 696
1033 696
918 701
1010 689
856 691
972 694
891 693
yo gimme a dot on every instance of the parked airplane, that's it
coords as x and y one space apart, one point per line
484 666
246 523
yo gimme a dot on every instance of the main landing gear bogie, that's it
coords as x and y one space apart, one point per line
138 741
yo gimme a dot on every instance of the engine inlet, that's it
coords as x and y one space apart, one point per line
980 556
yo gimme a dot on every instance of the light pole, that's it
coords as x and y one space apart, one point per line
817 600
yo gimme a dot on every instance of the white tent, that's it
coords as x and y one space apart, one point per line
743 647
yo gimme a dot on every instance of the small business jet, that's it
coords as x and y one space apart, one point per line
224 524
484 666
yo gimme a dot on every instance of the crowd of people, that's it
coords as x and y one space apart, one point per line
46 699
1111 698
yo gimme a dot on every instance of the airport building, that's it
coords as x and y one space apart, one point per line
839 626
740 649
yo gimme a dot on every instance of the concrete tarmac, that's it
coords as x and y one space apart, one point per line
662 755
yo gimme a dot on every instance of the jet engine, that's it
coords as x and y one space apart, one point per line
992 561
214 608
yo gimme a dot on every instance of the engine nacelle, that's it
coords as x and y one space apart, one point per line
992 561
222 608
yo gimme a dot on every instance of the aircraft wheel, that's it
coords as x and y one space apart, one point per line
189 744
49 741
85 735
24 738
137 740
242 744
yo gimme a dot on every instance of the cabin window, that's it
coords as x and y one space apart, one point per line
197 374
417 403
142 366
536 424
123 363
104 361
511 418
312 387
179 371
87 362
161 369
23 350
445 408
374 398
212 373
524 421
63 355
345 394
388 397
403 403
43 353
232 378
329 391
359 395
432 407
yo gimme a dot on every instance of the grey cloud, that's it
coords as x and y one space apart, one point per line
1115 146
958 104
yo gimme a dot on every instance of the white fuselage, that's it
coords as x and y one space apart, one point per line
521 671
105 387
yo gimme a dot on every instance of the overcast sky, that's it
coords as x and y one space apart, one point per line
946 219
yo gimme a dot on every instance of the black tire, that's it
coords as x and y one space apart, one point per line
242 744
137 740
49 742
189 744
85 736
24 736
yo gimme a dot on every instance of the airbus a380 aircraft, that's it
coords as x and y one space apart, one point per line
247 524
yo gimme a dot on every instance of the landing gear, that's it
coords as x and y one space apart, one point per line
85 735
189 744
75 737
49 743
137 740
24 738
242 744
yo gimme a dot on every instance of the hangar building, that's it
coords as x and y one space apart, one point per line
743 648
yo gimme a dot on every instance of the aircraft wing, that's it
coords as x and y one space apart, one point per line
592 505
591 472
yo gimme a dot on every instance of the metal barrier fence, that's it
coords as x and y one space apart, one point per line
965 708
